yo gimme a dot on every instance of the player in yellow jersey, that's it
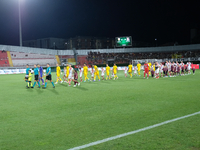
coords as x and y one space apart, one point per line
58 71
85 72
96 72
130 69
149 67
29 79
138 67
67 73
115 71
107 72
154 67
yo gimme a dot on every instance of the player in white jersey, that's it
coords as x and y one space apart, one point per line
112 76
70 74
92 74
80 73
135 71
102 73
189 67
157 70
125 71
64 76
161 69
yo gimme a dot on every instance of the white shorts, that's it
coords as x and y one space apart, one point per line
70 76
81 74
169 69
188 68
161 71
135 71
157 70
102 74
125 72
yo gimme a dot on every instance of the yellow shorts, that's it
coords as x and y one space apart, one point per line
107 73
85 74
115 73
67 75
97 73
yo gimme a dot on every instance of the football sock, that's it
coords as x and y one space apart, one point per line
52 83
57 80
45 84
60 79
34 84
39 84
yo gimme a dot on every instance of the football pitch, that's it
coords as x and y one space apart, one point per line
68 117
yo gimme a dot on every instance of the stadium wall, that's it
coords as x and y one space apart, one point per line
85 52
23 71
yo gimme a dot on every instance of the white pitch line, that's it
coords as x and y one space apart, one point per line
132 132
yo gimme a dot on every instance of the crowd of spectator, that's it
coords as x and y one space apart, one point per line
101 58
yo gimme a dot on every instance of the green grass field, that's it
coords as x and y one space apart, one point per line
66 117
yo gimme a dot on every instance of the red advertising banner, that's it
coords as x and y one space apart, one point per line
196 66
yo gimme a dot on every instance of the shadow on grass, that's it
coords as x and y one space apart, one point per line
39 90
81 88
29 89
53 91
66 85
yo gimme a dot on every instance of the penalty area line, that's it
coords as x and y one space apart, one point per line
132 132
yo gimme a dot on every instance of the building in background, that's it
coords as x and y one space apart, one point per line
48 43
79 42
87 42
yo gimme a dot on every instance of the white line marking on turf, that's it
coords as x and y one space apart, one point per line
132 132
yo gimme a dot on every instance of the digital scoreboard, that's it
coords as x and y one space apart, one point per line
123 41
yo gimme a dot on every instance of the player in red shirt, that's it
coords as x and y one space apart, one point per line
146 70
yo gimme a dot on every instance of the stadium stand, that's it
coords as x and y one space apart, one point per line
4 62
120 58
20 59
20 56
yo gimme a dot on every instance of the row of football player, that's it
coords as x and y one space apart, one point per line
168 69
171 68
69 76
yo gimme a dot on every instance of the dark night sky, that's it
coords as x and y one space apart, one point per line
144 20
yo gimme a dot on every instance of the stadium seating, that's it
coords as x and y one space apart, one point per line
21 59
4 59
120 58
